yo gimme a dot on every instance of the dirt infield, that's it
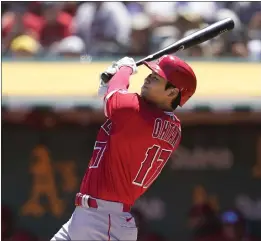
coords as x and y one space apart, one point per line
76 78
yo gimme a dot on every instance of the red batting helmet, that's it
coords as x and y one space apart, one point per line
178 73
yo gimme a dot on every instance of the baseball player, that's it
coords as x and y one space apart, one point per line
132 147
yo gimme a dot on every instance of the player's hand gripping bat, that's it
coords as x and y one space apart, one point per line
198 37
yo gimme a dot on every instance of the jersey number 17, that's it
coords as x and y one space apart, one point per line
157 156
154 155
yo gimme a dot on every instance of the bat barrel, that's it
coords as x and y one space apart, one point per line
207 33
193 39
198 37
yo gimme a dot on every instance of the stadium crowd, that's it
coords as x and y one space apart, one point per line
70 29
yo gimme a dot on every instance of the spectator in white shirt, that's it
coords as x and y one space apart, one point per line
105 27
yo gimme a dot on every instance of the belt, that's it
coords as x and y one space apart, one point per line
86 201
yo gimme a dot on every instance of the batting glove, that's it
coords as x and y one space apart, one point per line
112 70
126 61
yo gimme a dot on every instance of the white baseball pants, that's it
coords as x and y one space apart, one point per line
106 223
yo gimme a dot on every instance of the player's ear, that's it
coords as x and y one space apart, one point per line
172 92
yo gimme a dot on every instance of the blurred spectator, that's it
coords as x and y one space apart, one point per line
234 227
203 223
72 46
230 45
105 27
227 13
70 8
234 43
165 36
24 46
140 35
56 24
50 26
254 48
161 13
255 26
18 20
254 34
140 29
134 28
245 10
203 49
205 10
35 8
162 16
134 7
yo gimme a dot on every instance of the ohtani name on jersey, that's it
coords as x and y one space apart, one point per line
166 131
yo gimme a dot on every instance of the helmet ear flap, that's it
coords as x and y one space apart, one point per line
176 102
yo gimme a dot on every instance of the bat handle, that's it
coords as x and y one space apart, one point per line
106 77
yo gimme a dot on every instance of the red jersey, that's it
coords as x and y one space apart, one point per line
132 146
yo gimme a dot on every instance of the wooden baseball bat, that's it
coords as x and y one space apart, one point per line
193 39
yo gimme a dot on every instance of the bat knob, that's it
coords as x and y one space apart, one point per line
106 77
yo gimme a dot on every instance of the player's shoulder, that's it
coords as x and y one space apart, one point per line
122 92
119 94
122 100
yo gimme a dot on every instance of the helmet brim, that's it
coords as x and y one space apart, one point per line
155 68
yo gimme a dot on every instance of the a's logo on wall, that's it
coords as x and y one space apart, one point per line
44 184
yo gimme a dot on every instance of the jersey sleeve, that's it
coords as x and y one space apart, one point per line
120 105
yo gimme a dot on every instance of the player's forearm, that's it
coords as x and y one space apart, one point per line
120 80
